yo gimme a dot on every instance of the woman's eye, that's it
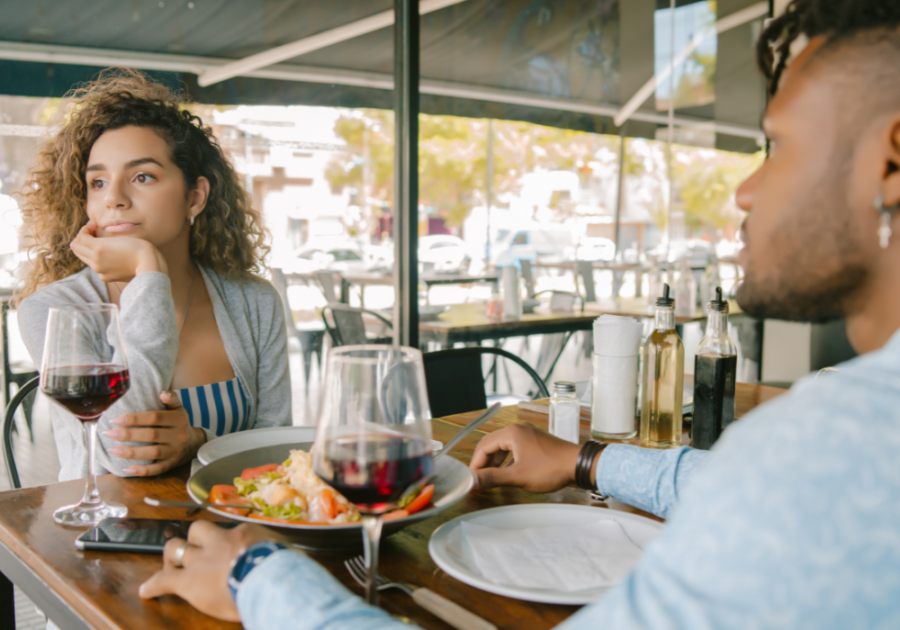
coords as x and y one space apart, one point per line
143 178
97 183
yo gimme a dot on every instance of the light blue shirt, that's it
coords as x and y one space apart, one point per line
792 521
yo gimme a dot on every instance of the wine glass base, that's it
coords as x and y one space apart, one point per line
81 515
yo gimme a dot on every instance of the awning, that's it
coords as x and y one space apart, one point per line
554 62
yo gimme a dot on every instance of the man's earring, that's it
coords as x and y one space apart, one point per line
884 230
192 223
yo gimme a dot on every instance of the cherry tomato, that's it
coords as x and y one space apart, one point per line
393 516
253 473
223 493
422 500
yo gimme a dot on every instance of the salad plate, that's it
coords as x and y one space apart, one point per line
452 482
232 443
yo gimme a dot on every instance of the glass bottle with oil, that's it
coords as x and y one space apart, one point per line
662 379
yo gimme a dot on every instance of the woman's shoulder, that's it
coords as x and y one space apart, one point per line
80 287
253 289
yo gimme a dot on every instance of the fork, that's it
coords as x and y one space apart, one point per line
452 613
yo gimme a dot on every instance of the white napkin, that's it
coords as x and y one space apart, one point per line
561 558
616 336
617 341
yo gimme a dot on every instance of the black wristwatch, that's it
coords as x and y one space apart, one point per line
588 454
252 557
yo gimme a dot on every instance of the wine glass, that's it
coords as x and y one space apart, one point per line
85 371
373 442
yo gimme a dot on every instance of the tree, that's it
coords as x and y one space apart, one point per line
452 159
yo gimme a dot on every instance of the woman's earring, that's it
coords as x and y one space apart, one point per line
884 230
192 223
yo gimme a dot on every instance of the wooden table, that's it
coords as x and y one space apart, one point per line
449 332
99 589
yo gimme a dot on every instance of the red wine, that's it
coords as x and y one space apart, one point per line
373 471
86 390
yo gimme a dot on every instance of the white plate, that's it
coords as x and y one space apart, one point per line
451 553
257 438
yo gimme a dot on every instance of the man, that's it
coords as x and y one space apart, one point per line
793 520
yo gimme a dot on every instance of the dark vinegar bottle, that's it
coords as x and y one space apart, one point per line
715 369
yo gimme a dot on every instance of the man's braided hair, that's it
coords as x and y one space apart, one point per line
838 20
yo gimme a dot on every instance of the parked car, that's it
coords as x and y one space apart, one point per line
341 257
596 249
443 253
528 244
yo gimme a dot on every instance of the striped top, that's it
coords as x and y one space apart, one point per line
220 407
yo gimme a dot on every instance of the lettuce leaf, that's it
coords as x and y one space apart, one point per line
245 487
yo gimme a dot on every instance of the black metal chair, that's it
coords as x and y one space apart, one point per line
11 375
455 379
9 422
346 325
310 337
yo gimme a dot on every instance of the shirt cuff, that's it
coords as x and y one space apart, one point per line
290 590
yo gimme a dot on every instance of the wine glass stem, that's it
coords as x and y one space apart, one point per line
91 494
371 538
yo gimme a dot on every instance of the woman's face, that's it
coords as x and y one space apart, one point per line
134 189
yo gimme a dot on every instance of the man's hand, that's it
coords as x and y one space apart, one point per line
541 462
202 581
118 258
170 438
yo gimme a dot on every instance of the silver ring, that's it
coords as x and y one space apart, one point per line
178 558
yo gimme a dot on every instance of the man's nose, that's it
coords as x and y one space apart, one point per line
745 195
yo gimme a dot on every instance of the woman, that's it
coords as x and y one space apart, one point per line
134 203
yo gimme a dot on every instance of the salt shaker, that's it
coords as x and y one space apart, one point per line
565 411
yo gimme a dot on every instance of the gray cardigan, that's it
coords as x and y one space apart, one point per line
250 318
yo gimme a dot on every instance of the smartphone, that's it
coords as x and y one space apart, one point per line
142 535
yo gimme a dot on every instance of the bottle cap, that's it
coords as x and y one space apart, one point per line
665 300
719 304
564 386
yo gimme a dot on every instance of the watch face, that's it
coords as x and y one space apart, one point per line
252 557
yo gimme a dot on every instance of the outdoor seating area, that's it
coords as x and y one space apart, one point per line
472 314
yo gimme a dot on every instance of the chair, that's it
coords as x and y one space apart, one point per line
586 271
334 286
455 378
346 325
9 422
310 336
10 377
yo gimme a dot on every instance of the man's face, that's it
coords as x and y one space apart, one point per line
805 254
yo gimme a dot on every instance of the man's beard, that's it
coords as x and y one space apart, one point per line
820 262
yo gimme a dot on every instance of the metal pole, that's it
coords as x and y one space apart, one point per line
405 226
490 192
671 134
619 190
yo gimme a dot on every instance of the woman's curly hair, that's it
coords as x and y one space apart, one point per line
228 236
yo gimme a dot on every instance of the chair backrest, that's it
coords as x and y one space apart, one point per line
330 288
8 424
527 276
455 379
586 271
346 324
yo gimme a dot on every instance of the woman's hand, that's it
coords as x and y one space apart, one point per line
118 258
541 462
202 580
170 438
